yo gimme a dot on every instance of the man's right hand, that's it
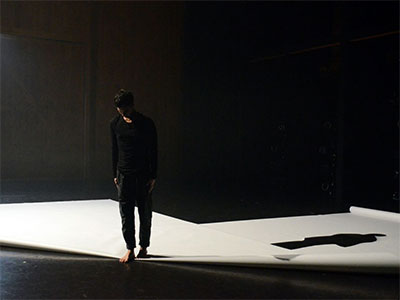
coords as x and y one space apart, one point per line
115 181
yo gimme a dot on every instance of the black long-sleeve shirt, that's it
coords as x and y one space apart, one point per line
134 145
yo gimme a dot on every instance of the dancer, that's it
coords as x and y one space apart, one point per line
134 162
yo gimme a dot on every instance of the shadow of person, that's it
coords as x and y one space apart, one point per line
342 240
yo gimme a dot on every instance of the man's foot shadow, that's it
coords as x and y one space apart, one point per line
154 256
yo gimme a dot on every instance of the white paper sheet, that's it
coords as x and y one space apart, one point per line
94 227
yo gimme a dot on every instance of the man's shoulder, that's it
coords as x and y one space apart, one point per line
145 119
114 120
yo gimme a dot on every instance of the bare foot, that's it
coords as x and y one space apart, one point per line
130 255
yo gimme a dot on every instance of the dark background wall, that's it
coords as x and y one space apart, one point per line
43 92
262 108
63 62
297 102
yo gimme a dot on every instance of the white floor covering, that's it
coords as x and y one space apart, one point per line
94 227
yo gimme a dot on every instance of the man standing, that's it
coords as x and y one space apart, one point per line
134 162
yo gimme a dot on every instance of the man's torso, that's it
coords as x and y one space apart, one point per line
132 141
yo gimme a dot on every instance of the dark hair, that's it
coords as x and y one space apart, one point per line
123 98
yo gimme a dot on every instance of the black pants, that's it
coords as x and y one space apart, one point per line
132 189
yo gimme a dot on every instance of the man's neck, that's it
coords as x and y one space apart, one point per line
128 118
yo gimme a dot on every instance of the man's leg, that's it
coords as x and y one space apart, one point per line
144 204
126 198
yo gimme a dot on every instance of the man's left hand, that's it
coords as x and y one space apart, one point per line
151 184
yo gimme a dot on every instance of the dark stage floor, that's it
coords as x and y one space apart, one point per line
45 275
199 204
37 274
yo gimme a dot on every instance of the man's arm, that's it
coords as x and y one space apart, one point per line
114 150
153 150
